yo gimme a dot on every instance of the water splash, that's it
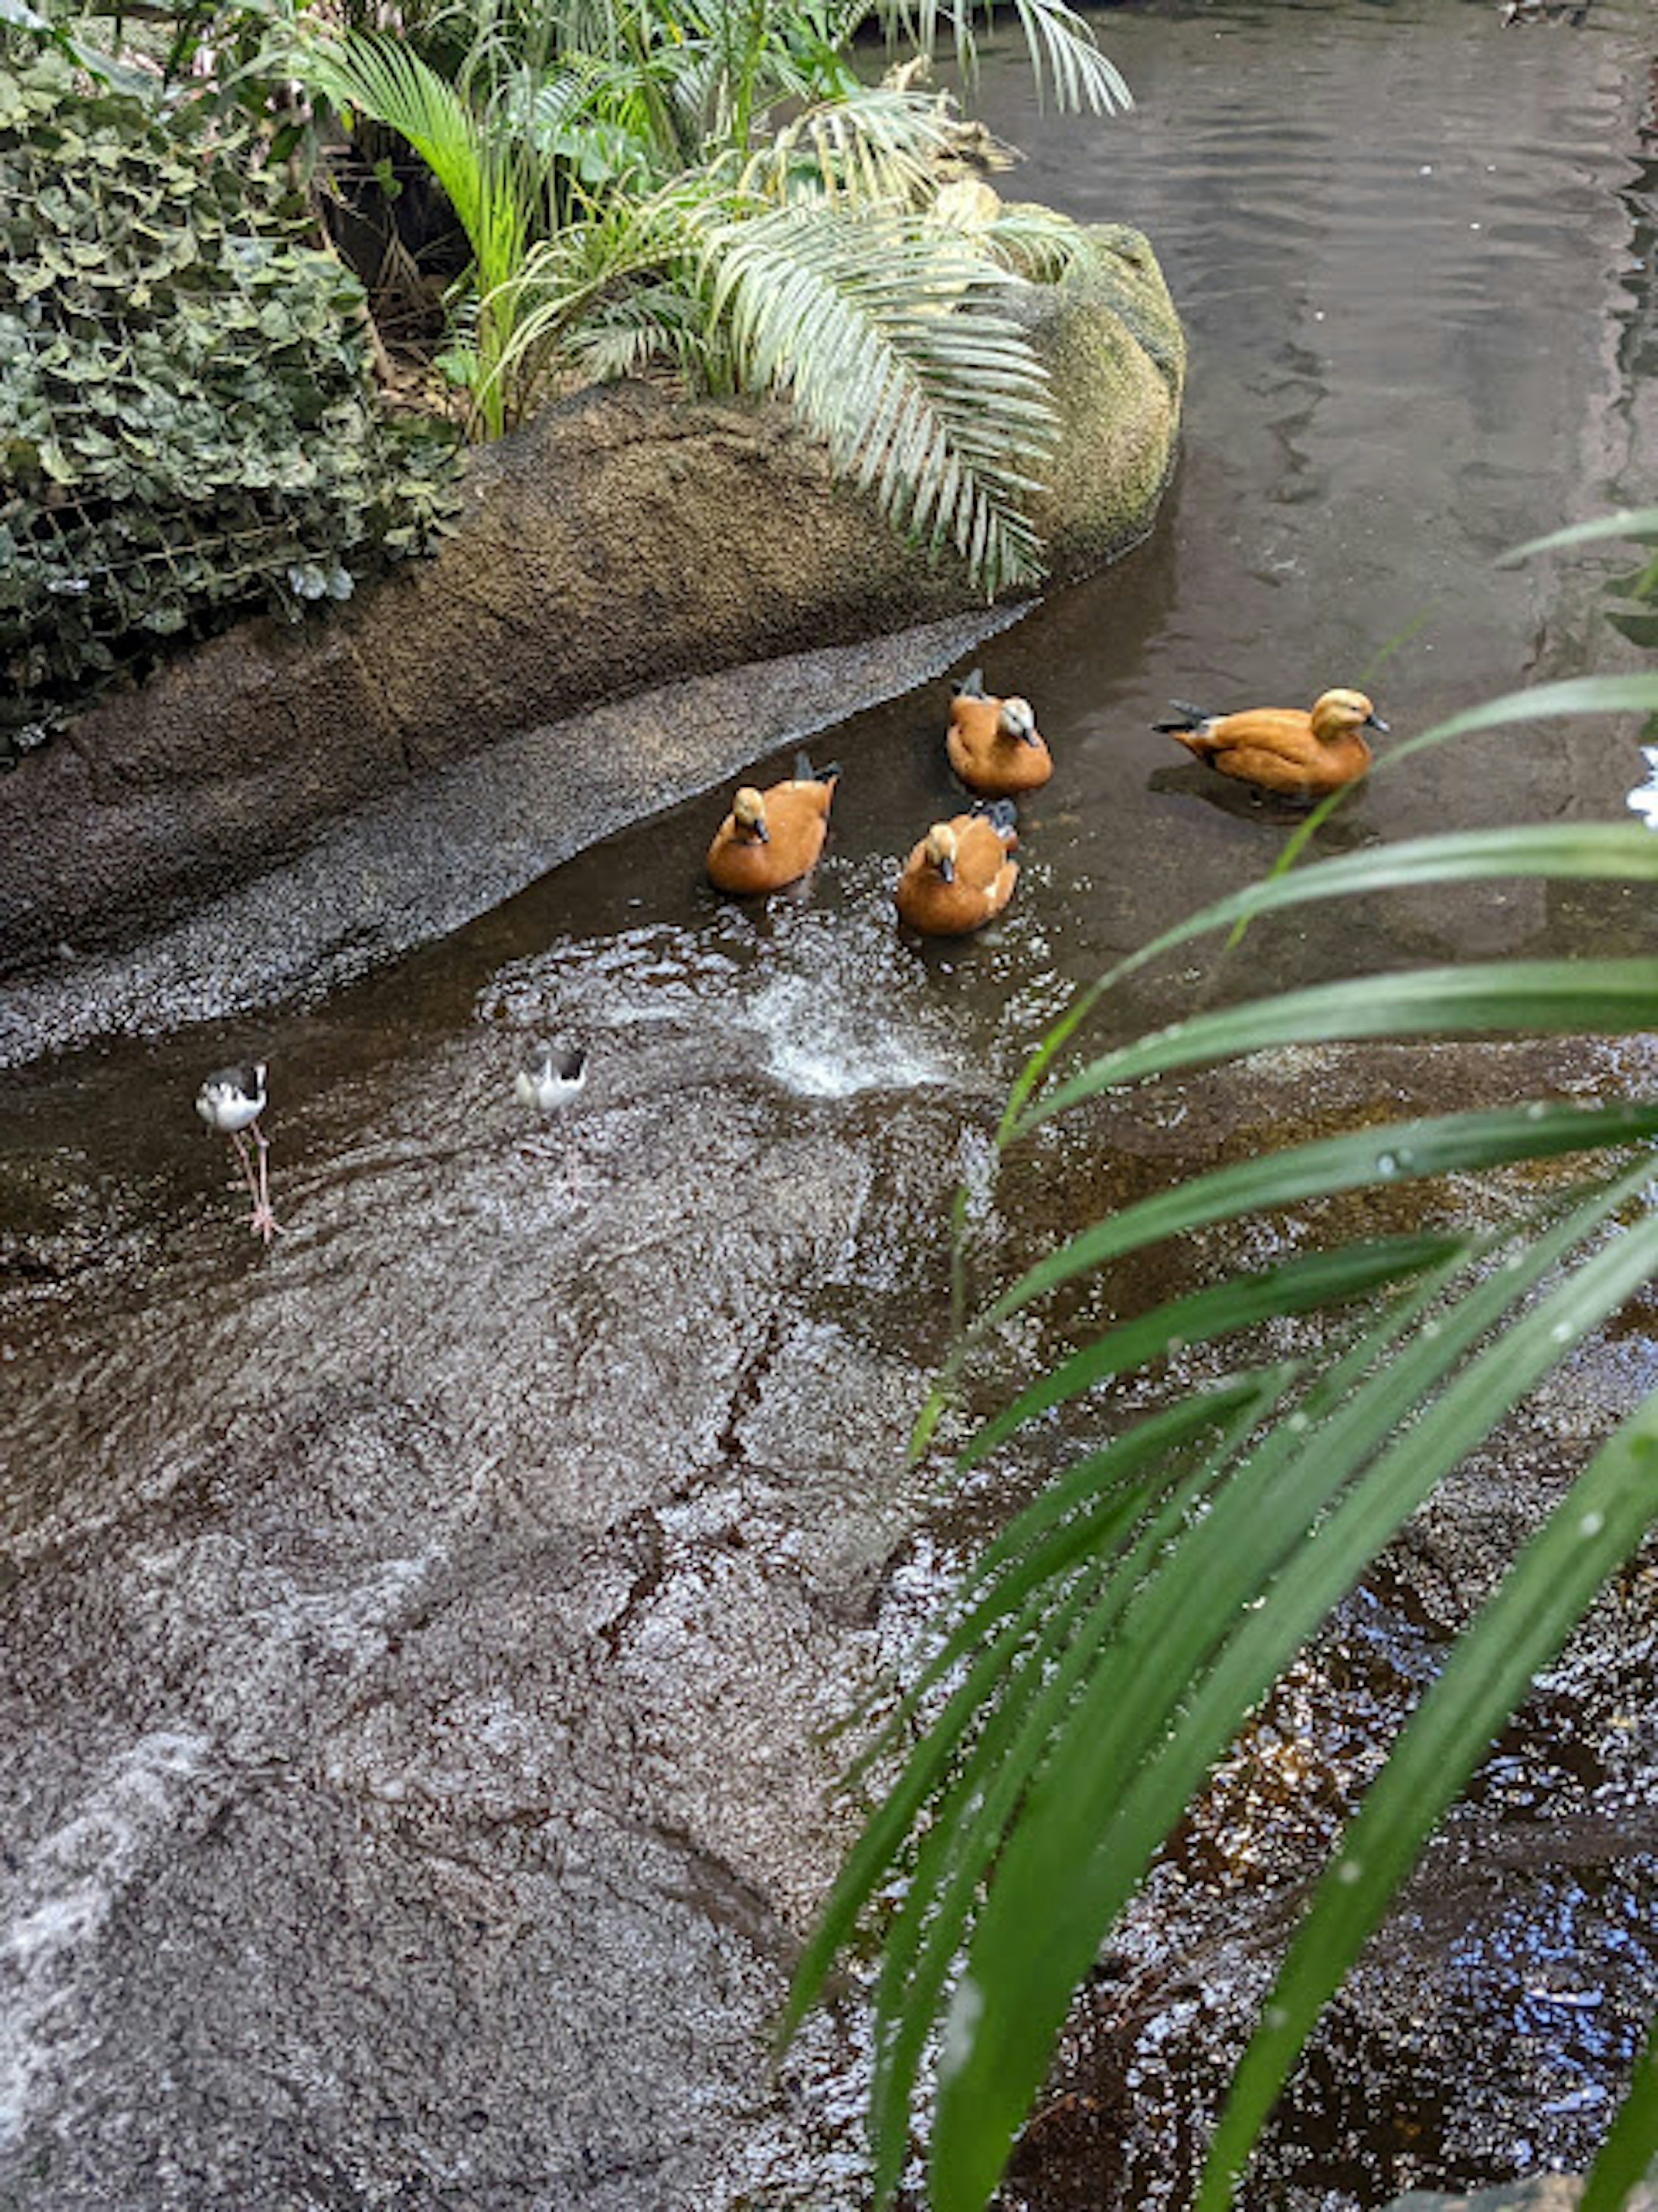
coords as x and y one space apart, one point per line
823 1044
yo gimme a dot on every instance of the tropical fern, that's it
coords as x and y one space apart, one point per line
891 342
888 337
1219 1531
628 200
497 173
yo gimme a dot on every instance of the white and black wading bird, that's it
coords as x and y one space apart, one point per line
232 1100
549 1076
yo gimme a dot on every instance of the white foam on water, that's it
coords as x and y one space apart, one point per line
821 1044
62 1894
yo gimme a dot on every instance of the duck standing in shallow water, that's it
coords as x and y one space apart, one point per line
1299 756
993 744
774 837
231 1099
962 872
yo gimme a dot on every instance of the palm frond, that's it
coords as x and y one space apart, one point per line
395 86
627 259
1063 52
878 146
1029 241
890 344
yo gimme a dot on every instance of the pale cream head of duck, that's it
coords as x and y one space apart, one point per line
1017 719
1336 711
941 850
749 809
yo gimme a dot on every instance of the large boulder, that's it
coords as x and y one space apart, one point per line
622 538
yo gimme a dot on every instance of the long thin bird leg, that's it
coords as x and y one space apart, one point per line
235 1136
263 1221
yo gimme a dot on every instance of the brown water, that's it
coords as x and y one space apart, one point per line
416 1639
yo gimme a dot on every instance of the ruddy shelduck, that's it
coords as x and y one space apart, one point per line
993 744
1281 749
774 837
962 872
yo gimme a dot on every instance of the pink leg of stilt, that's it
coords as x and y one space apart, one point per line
246 1164
263 1221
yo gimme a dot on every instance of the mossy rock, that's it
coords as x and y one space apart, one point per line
1111 340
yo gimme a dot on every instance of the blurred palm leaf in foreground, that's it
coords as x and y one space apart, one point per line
1107 1647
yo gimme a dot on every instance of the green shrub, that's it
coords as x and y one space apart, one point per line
187 423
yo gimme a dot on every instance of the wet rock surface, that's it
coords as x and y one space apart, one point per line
428 1644
424 1635
1548 2192
431 854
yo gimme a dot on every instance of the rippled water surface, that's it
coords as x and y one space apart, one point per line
418 1640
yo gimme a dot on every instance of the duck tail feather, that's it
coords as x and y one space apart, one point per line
970 686
1001 813
1190 717
806 773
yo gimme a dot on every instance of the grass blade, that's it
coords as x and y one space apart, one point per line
1589 851
1452 1142
1631 2140
1296 1286
1028 1951
1542 997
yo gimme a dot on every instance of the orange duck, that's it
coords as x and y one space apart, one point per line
1300 755
993 744
962 872
773 837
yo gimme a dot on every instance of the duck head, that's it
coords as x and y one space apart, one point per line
1017 719
941 850
1337 712
749 810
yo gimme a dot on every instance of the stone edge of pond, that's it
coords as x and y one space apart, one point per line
431 855
622 541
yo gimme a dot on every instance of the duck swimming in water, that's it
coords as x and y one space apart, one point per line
993 744
774 837
1300 755
962 872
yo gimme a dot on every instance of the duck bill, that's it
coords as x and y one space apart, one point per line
947 870
1374 722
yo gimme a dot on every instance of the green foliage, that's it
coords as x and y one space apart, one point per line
190 427
1041 1762
630 198
496 174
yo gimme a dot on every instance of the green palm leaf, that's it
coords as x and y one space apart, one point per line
1518 1632
1542 997
1586 852
889 344
1022 1827
1060 43
493 168
1142 1738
